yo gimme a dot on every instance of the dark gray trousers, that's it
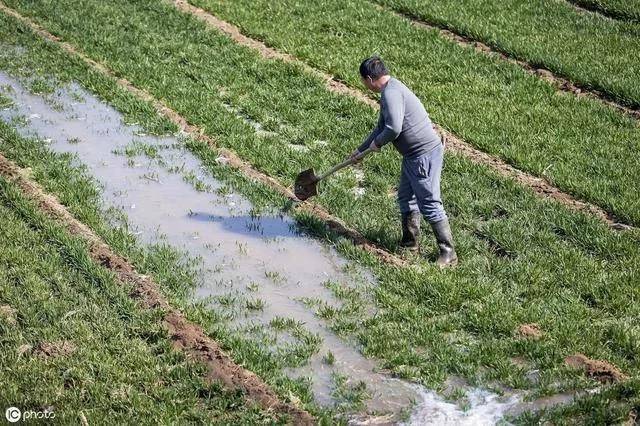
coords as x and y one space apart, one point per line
419 188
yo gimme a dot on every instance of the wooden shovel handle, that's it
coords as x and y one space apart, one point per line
344 164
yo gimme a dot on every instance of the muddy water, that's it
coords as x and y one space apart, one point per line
244 257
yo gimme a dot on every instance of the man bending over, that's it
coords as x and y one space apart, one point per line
404 122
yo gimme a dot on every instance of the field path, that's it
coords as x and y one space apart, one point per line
185 335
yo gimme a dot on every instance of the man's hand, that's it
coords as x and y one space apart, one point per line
357 152
354 154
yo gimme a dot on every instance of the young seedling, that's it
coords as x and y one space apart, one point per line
243 248
329 358
5 102
255 304
349 396
274 276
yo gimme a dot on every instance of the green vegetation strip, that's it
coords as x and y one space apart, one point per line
592 52
525 260
616 9
489 103
76 344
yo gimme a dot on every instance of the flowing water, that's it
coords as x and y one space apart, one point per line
246 258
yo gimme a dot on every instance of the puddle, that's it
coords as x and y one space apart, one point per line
254 268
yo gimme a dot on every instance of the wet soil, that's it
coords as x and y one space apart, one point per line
602 371
244 256
190 337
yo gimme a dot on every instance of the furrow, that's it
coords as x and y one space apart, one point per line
333 224
539 185
586 7
185 335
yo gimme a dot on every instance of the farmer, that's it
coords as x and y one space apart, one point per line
404 122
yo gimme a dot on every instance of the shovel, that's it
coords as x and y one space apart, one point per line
307 181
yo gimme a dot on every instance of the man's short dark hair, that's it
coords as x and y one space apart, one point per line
373 67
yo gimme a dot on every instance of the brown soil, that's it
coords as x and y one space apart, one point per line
55 349
540 186
560 83
185 336
602 371
8 313
530 331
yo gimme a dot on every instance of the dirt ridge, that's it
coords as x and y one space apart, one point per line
539 185
561 83
185 335
332 223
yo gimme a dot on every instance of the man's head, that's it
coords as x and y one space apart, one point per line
374 73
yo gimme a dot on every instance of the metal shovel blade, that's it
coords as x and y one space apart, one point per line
305 185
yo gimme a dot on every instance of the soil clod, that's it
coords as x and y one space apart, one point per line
55 349
8 314
530 331
602 371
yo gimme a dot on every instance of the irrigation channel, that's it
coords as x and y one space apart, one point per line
244 257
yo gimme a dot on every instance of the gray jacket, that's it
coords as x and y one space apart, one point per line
403 121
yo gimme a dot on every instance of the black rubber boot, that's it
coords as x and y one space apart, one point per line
447 256
411 231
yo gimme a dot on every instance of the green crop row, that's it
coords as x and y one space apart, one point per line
618 9
591 51
73 339
580 145
524 259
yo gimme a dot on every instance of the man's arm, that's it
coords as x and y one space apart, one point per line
393 116
374 133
